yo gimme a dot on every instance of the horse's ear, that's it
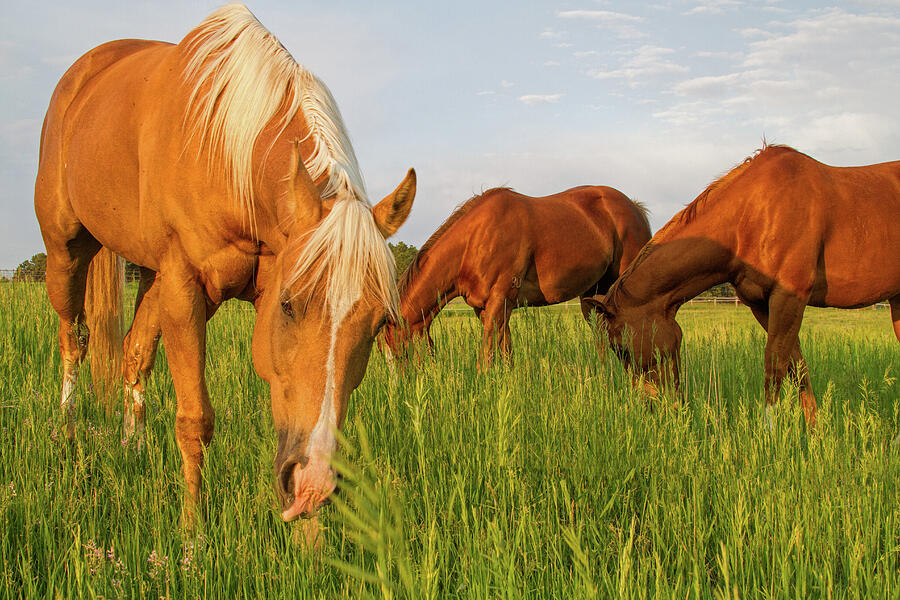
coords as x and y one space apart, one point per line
301 203
391 212
594 304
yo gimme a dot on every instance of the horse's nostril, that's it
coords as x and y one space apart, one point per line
286 480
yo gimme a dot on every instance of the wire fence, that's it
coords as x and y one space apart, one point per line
459 305
11 275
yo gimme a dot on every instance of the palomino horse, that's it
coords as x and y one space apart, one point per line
188 160
787 231
502 250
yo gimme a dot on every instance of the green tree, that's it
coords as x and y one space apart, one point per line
32 269
723 290
403 255
132 271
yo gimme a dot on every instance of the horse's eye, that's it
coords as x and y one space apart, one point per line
287 309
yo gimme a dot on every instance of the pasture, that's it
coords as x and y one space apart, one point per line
550 478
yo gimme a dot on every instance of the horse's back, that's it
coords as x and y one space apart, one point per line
602 220
557 223
582 237
83 71
839 222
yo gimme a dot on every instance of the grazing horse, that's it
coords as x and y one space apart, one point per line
206 163
502 250
787 232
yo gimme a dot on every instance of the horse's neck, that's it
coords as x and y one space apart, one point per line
432 287
681 263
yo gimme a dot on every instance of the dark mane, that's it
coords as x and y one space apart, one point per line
643 211
459 212
688 214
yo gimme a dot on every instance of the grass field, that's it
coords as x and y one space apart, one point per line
546 479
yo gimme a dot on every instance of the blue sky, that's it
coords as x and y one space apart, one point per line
656 99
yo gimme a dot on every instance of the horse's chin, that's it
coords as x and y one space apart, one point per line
305 506
312 488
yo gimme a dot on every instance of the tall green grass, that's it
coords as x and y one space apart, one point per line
548 478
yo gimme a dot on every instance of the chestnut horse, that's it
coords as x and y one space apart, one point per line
502 250
200 162
788 232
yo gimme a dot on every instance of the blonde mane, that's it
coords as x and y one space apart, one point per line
242 78
348 249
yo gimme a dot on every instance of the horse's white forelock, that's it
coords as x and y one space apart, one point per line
351 264
242 78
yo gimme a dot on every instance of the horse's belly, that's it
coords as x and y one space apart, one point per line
571 260
563 282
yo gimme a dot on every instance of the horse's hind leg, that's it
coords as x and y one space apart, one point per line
895 315
68 258
141 344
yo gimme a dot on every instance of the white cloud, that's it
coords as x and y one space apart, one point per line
828 40
751 32
641 64
826 82
712 7
604 17
485 93
723 55
551 34
712 85
585 53
621 24
846 131
532 99
507 84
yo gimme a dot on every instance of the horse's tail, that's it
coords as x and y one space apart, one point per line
104 297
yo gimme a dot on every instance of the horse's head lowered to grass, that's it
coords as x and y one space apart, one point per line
331 290
648 343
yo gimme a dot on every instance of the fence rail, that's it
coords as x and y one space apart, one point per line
458 305
10 275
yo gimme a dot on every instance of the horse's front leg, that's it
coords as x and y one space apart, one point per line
183 315
495 336
782 356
